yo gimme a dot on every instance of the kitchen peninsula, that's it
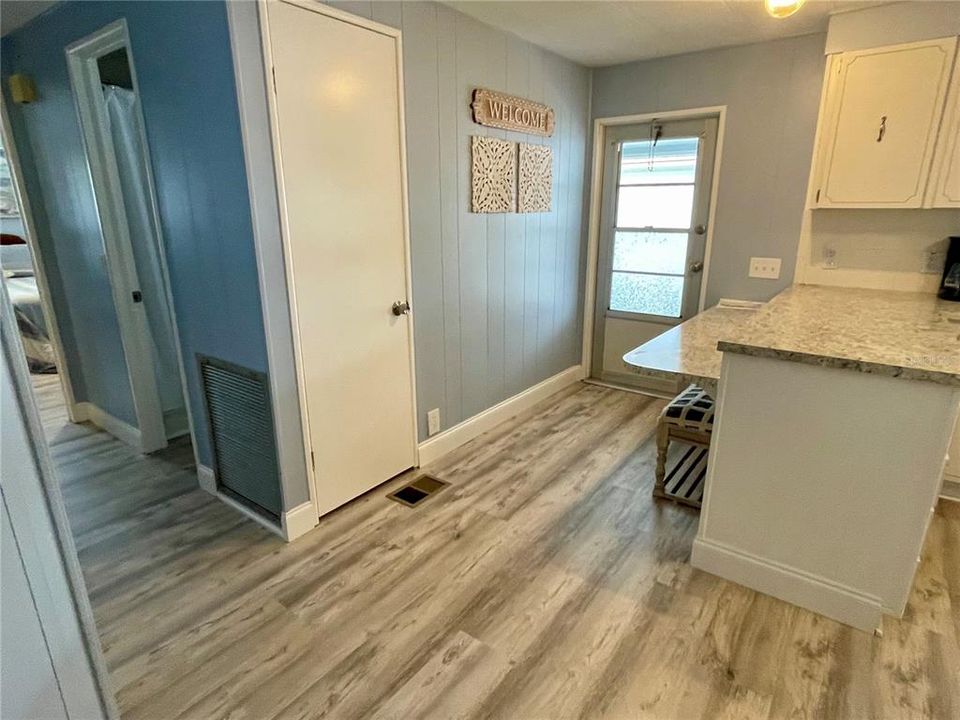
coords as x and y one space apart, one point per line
835 409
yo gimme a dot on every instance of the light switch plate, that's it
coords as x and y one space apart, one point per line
433 421
768 268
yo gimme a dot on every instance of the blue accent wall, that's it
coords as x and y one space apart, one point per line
181 52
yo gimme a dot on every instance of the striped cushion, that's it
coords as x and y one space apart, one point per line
691 410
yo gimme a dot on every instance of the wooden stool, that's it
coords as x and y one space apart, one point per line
688 418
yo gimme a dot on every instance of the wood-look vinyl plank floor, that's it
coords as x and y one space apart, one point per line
545 583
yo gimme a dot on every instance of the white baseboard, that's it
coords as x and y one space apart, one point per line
176 423
293 523
439 445
813 593
208 481
122 431
951 488
299 521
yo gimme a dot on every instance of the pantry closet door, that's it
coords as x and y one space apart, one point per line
338 136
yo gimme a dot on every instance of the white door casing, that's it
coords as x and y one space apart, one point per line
601 127
706 128
135 333
337 122
39 265
38 540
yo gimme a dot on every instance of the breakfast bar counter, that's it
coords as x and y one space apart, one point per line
835 409
688 352
908 335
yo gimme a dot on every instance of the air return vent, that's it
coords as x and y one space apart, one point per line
241 435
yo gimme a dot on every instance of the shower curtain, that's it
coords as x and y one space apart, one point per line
131 163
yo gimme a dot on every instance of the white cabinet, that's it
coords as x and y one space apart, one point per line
945 177
882 116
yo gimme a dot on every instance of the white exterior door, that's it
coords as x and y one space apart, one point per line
655 205
341 172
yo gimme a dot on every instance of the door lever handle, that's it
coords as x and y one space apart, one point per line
696 266
400 307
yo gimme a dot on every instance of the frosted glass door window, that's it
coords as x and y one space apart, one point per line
650 252
655 195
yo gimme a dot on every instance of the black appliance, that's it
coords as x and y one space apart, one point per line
950 283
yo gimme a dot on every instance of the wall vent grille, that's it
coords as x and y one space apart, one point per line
242 437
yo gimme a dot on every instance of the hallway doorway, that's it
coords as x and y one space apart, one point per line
103 79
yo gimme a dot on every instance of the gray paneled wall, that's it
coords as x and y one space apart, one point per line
772 94
496 298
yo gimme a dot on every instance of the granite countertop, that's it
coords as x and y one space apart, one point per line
886 332
689 351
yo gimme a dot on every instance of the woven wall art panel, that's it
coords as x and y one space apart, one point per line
535 178
494 175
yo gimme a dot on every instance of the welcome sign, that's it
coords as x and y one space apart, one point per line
508 112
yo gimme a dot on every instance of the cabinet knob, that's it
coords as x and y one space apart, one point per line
883 128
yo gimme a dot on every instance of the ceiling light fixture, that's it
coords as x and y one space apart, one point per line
783 8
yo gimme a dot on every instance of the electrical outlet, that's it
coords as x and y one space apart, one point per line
830 258
433 421
768 268
933 261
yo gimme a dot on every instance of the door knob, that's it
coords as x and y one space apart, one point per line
400 307
700 229
696 266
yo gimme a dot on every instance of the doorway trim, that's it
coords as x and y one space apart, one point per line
41 528
74 412
135 332
600 126
251 81
395 34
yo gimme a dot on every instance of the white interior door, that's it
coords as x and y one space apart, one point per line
338 131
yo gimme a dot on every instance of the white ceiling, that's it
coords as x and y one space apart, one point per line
17 13
602 33
599 32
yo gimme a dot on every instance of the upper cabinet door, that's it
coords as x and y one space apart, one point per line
883 114
945 176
